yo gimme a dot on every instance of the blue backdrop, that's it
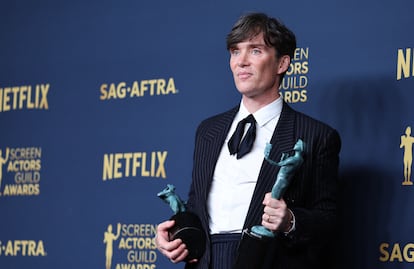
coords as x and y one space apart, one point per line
99 102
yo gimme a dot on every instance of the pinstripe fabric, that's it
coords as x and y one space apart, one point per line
311 195
224 250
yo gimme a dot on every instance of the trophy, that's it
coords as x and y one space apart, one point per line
187 224
255 241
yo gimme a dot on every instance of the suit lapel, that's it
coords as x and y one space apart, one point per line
283 140
213 139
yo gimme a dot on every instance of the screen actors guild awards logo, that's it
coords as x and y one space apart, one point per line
130 246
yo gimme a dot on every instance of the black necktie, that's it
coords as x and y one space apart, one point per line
243 147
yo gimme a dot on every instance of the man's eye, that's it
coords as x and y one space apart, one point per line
235 52
256 51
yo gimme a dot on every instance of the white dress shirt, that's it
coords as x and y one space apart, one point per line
234 179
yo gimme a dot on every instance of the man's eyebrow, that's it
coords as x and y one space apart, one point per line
253 45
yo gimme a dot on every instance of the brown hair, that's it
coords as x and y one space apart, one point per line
275 33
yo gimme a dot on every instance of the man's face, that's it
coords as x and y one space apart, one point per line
255 67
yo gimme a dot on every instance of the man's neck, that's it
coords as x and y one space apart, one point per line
253 104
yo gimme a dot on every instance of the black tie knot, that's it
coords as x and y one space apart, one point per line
243 146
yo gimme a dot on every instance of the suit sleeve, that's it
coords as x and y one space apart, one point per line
316 215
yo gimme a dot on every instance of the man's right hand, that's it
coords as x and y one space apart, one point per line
175 250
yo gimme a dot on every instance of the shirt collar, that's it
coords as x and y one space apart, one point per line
264 114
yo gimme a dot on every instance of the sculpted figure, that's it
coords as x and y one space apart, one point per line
169 196
288 166
187 226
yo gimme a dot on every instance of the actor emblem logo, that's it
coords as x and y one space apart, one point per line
407 145
109 238
3 160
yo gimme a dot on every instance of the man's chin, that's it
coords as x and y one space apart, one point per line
245 88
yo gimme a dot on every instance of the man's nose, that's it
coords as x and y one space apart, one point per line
243 59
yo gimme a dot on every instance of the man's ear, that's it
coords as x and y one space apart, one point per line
284 63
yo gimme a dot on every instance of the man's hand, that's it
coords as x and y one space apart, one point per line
176 251
276 216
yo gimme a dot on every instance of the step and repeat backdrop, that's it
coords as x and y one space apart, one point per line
99 102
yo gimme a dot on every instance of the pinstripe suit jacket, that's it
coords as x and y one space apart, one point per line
311 195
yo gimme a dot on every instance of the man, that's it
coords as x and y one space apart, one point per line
230 191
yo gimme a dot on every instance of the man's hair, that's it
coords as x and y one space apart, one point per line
275 33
